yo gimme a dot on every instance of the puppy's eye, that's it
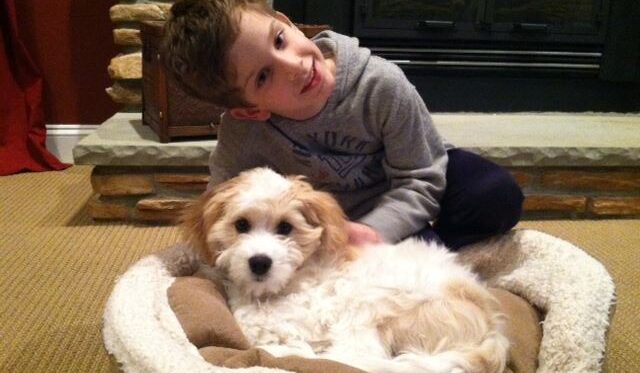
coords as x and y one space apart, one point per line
284 228
242 225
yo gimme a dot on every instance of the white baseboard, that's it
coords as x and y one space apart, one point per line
61 138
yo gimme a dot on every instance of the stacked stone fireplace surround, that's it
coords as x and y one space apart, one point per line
136 178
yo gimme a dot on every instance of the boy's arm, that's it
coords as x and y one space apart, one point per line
360 234
233 152
415 164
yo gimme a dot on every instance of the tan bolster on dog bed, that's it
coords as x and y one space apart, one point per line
202 311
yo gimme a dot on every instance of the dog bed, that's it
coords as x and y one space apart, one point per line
167 313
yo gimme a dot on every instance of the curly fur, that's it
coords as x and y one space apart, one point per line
296 287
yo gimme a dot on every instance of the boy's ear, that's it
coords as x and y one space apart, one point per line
250 113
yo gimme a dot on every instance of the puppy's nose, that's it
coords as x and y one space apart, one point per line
260 264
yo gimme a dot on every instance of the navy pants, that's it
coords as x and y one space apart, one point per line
481 200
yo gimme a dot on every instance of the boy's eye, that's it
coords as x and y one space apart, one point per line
279 42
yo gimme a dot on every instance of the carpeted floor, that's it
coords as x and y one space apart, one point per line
57 267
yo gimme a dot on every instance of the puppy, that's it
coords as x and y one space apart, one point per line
296 288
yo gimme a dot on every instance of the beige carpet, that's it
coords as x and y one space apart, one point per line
57 267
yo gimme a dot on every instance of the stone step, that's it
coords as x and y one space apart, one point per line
515 140
569 165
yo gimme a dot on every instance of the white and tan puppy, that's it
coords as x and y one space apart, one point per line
296 288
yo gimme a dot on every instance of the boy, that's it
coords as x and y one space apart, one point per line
351 122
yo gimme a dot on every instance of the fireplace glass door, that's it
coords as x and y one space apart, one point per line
544 20
566 16
442 12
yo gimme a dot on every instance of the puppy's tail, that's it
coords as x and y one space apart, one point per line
489 357
460 331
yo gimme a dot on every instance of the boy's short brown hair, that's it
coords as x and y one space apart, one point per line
197 39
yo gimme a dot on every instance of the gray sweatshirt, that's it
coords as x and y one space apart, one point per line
373 146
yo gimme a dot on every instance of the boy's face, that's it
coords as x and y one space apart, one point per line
279 70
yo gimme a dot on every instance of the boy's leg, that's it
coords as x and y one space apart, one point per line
428 234
481 200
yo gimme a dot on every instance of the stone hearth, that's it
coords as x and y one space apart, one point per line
569 165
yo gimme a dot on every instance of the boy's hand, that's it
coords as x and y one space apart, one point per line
360 234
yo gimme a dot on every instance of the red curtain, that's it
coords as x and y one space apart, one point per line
22 128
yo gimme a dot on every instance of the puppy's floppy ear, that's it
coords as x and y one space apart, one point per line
323 210
194 230
200 215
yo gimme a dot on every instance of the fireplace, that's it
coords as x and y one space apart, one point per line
534 34
483 21
499 55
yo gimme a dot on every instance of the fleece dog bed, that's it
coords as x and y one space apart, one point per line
167 313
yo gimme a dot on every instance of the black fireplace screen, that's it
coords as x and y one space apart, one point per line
546 11
533 11
437 9
577 21
485 34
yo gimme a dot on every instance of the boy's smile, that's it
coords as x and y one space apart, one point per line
313 80
278 69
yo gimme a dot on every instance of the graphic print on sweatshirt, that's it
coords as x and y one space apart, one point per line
339 162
